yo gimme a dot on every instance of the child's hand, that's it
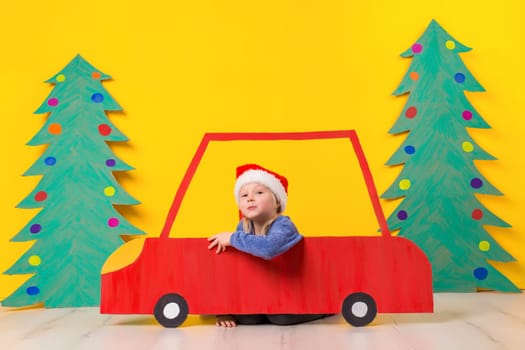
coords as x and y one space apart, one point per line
221 240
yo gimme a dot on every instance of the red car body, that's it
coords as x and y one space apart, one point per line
356 275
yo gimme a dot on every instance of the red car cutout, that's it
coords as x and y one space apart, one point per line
356 275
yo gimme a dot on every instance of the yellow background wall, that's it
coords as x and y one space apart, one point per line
183 68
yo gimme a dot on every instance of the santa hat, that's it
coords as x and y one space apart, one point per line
255 173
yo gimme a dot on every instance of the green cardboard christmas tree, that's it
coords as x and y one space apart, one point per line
78 226
439 180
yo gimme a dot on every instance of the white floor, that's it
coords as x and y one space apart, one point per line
478 321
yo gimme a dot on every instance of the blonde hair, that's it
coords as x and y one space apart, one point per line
247 225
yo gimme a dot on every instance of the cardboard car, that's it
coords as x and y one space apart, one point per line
358 276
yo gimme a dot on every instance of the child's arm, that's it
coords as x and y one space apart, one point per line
281 236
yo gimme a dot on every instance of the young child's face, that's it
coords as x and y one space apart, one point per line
257 202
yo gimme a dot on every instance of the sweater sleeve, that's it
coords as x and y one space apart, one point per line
281 236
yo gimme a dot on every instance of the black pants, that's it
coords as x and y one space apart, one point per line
278 319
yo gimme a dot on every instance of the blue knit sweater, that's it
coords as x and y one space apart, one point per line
281 236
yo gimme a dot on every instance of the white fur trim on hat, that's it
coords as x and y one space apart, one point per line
264 178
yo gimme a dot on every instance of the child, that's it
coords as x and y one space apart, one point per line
261 196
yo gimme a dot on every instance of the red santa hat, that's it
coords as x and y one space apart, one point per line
248 173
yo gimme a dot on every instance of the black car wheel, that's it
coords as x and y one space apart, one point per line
171 310
359 309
